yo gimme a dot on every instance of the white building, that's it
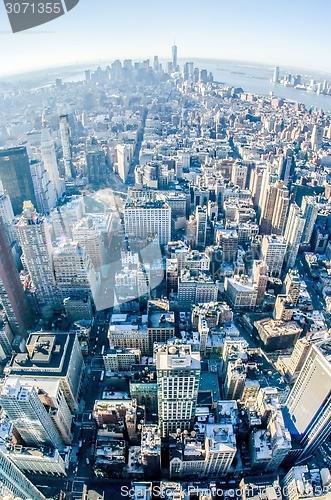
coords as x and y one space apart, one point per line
42 460
273 253
21 402
88 236
14 482
65 217
34 238
124 158
293 234
49 158
178 376
146 218
66 147
241 291
44 190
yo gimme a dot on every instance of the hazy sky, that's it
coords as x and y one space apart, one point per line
283 32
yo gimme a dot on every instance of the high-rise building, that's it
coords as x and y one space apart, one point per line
45 193
21 403
6 339
239 175
293 286
34 238
16 177
74 272
63 218
273 253
124 158
309 206
14 482
201 229
178 375
144 218
49 158
274 211
12 296
174 57
317 137
88 236
66 147
275 78
6 209
56 356
293 234
309 402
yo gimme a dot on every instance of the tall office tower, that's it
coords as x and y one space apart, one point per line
309 206
235 379
6 339
45 193
21 403
239 175
88 236
285 168
96 165
66 147
87 76
65 217
12 296
293 286
124 158
174 57
14 482
56 356
299 355
144 218
156 64
6 209
293 234
309 401
201 232
74 271
273 253
228 241
275 78
50 162
34 238
317 137
16 176
273 216
178 375
261 278
255 183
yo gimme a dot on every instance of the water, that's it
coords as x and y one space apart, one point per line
254 78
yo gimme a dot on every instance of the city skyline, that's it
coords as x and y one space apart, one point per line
229 35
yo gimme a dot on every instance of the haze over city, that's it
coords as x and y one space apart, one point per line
292 33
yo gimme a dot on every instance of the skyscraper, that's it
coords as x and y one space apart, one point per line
273 253
12 296
16 176
45 193
274 211
22 405
34 237
14 482
201 231
49 158
145 218
309 402
293 234
124 157
275 78
174 57
178 374
309 207
66 147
